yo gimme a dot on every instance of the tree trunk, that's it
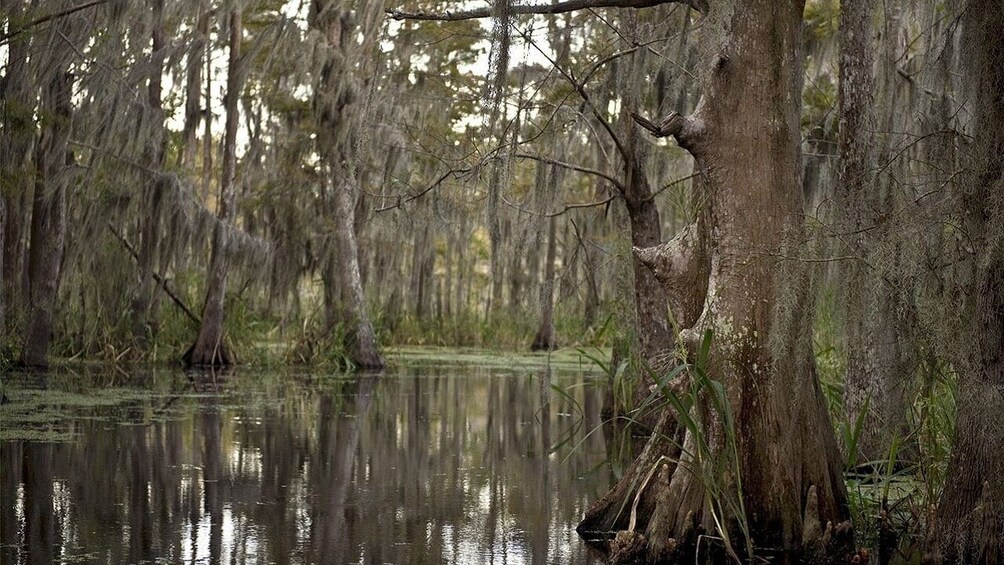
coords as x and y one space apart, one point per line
879 369
448 275
332 293
590 273
16 135
3 280
335 102
48 218
193 93
419 288
210 348
780 445
151 197
463 270
544 340
517 274
361 339
207 141
970 514
655 332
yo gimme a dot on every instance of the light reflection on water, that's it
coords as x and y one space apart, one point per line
415 466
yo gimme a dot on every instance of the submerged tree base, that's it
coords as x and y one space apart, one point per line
544 341
216 358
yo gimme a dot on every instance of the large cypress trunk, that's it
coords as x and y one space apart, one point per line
210 348
970 515
335 104
48 218
782 462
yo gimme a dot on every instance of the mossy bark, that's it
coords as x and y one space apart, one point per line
210 349
336 103
880 364
48 218
744 136
970 514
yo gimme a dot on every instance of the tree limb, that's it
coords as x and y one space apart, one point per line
573 167
556 8
47 18
684 129
401 200
161 281
579 87
568 207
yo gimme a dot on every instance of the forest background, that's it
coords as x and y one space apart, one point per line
304 182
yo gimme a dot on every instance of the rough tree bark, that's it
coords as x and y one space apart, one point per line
970 513
336 100
744 136
48 217
209 349
655 335
878 367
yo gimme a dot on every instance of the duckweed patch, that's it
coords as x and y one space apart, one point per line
50 407
563 359
49 415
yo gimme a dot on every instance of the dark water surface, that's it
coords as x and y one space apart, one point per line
418 465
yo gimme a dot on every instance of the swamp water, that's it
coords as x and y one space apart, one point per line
434 461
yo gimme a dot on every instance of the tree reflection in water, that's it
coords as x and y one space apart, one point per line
422 466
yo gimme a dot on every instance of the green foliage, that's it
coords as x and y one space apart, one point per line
889 498
704 411
822 18
620 381
315 345
703 408
502 330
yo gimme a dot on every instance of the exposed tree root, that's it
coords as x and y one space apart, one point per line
219 357
613 512
544 341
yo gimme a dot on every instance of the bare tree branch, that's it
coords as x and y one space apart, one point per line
556 8
564 210
161 281
568 207
573 167
47 18
401 200
579 87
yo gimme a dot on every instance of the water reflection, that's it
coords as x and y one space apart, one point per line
422 466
